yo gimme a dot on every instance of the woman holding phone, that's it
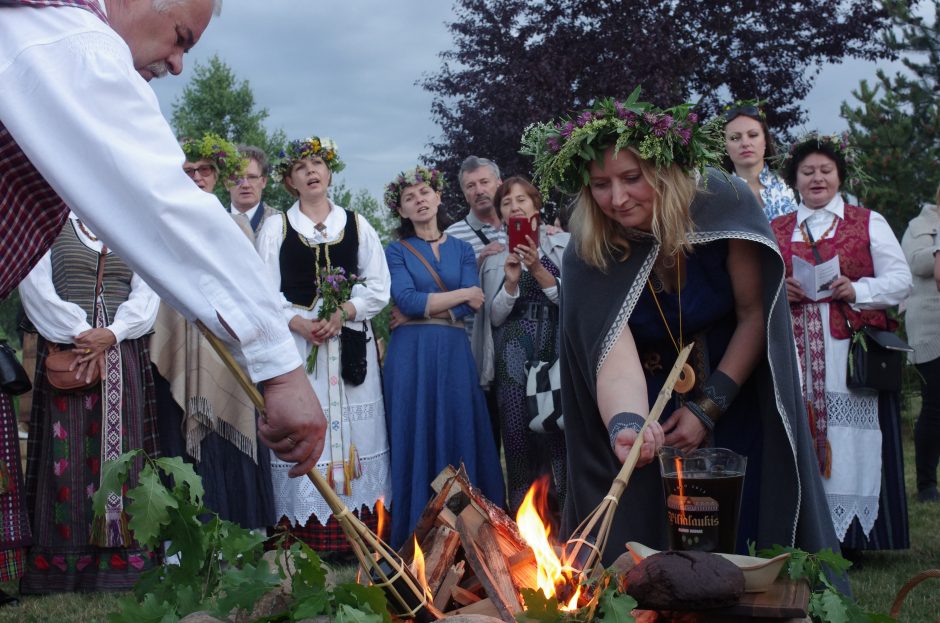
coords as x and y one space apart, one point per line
521 325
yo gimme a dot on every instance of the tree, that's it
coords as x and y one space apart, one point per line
896 122
368 206
519 61
215 101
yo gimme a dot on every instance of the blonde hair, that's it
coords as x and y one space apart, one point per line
598 238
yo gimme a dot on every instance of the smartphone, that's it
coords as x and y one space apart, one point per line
520 227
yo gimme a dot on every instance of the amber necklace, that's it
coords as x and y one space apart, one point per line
85 231
687 376
808 239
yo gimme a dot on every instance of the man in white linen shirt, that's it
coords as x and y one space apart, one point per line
79 126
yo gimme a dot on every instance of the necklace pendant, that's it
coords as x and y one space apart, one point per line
686 379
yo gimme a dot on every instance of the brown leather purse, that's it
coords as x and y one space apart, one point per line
58 360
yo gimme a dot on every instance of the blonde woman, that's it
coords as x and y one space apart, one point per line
666 252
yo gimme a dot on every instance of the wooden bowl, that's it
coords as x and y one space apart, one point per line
759 573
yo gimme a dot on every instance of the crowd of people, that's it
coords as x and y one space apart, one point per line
682 231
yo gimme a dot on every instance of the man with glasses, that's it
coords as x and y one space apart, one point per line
245 192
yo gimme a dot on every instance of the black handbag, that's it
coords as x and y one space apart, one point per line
13 377
352 355
876 359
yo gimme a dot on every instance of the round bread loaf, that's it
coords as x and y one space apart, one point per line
685 581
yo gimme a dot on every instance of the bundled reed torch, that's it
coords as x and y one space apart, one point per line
589 539
407 598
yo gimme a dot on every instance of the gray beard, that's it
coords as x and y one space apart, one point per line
159 69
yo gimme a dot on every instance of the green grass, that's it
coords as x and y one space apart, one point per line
875 584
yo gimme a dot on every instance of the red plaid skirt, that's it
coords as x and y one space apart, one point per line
328 539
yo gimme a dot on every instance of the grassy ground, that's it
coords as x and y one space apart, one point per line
875 584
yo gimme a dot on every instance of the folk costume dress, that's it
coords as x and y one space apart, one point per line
435 406
783 495
511 324
72 434
857 432
14 519
356 456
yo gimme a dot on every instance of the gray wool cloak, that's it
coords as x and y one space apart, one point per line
595 309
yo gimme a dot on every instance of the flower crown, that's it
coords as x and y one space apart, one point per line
222 153
855 177
749 108
299 149
563 151
418 175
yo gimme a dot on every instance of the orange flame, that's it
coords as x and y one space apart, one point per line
681 484
417 565
380 512
551 571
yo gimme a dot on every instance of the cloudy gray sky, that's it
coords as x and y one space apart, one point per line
348 70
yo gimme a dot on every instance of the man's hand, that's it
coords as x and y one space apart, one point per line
491 249
293 425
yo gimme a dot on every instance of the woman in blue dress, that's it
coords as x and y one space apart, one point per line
435 407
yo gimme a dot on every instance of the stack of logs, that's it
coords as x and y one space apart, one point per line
476 561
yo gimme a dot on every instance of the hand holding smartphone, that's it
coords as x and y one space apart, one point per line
520 227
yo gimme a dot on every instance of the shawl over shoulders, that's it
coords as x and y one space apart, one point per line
595 309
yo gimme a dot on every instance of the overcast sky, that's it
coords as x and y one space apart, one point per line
348 70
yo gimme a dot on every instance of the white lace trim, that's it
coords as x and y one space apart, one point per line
853 410
844 508
298 500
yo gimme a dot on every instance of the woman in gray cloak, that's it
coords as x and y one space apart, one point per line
664 251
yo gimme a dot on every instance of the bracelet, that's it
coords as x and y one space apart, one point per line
697 411
622 421
718 392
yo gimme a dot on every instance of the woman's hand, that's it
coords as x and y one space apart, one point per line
513 270
653 439
794 291
304 328
683 430
92 344
529 254
474 297
325 329
843 290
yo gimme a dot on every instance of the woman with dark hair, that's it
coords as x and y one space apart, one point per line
435 407
666 252
749 146
856 431
519 324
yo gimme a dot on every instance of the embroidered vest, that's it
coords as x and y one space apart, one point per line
75 275
31 213
300 260
852 244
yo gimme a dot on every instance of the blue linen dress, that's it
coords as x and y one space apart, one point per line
434 406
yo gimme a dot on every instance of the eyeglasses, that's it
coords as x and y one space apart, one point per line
247 178
204 170
748 111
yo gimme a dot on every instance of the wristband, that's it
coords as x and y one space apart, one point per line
622 421
719 391
698 412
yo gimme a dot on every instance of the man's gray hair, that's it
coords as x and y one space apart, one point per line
163 5
257 154
472 163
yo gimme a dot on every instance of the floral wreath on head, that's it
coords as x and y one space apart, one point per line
228 161
855 177
748 108
564 150
313 147
418 175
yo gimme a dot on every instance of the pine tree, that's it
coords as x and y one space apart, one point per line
896 122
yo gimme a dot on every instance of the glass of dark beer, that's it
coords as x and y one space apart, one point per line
703 497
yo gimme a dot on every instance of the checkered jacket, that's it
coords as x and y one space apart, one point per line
31 213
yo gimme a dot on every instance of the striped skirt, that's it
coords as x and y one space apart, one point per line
63 470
